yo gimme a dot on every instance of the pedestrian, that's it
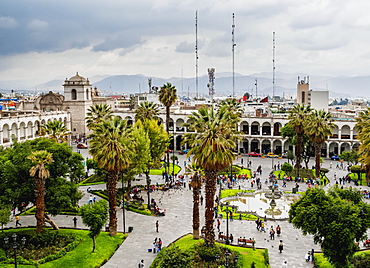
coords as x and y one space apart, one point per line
307 256
141 264
231 238
17 221
75 221
231 216
278 230
272 233
284 265
258 224
262 229
281 246
159 244
201 200
157 226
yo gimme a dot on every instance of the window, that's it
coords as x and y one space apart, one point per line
74 94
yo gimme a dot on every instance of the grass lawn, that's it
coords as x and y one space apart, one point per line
232 192
248 255
82 255
322 262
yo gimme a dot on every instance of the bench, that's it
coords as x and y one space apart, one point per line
224 237
245 241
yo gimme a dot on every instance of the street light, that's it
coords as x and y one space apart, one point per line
14 245
148 181
228 209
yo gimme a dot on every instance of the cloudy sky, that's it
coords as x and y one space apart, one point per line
42 40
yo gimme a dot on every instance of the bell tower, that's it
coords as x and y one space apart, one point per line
77 99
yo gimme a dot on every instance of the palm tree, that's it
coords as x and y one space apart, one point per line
168 96
110 146
55 130
196 184
211 146
297 118
96 114
234 106
318 129
146 110
39 171
363 128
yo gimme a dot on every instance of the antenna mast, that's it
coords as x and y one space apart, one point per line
233 50
196 53
211 84
256 88
273 65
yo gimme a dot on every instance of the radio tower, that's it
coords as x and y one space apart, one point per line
273 65
196 54
233 50
211 84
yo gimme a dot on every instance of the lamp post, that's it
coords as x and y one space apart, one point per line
123 208
227 208
14 245
148 181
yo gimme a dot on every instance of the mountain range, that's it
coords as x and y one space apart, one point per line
285 85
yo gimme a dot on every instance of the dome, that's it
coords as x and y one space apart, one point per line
78 78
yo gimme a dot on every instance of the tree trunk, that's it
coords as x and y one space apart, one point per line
112 196
210 189
40 204
94 244
51 222
196 221
299 153
317 158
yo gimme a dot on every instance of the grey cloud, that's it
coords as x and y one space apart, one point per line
8 22
185 47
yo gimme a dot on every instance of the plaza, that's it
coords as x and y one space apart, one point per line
178 222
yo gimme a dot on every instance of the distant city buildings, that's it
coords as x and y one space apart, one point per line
260 125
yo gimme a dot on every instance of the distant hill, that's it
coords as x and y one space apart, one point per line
285 84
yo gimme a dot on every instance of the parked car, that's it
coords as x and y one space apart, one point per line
184 151
272 155
335 157
254 154
82 146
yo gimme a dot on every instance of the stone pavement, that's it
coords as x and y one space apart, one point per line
178 222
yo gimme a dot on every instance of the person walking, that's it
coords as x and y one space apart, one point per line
281 246
17 221
218 225
262 229
285 265
201 200
75 222
278 230
141 264
157 226
272 233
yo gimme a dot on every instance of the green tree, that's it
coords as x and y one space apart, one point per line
358 170
140 153
351 157
55 130
5 213
363 127
40 173
336 220
168 96
110 145
158 143
146 110
196 184
297 118
95 216
318 128
98 113
287 168
211 146
17 186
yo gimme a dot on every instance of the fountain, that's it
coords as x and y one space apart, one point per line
271 203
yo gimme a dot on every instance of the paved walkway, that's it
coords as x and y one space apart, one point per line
178 222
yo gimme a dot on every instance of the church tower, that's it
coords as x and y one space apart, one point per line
77 99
